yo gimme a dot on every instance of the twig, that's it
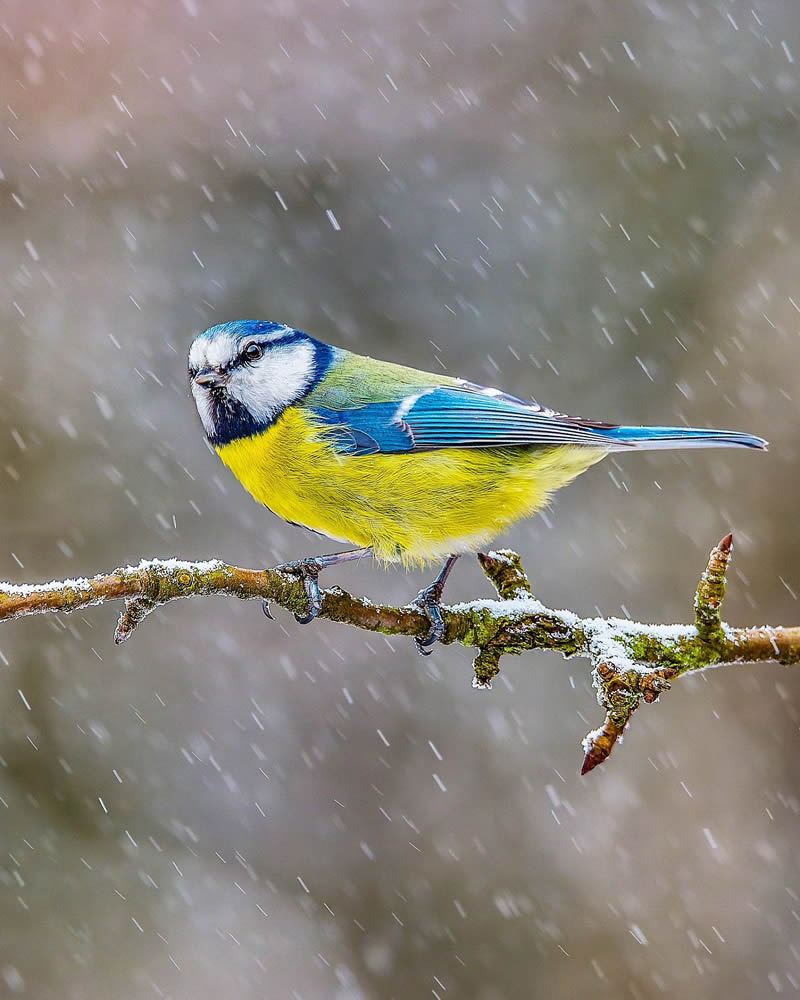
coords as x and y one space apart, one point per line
632 662
711 591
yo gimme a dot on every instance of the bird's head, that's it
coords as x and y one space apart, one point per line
244 374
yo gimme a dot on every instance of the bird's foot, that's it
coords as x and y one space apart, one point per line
308 570
429 603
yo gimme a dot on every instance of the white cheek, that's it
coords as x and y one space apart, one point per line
202 400
278 380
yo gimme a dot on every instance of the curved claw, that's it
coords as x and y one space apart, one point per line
428 603
425 646
267 612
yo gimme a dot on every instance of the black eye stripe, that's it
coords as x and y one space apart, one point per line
240 359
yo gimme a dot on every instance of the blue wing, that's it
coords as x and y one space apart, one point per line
470 416
464 416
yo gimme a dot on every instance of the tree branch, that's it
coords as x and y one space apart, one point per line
632 662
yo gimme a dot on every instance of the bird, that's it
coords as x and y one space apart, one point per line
410 466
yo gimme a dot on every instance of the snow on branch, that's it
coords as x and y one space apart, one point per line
631 662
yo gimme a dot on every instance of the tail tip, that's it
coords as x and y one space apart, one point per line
682 437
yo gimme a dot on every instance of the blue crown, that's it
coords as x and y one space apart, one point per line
243 328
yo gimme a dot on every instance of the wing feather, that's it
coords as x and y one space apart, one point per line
460 416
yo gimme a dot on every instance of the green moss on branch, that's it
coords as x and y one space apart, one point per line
632 662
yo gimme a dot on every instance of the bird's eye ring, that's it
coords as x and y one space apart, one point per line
252 352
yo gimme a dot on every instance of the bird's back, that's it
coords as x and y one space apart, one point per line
354 380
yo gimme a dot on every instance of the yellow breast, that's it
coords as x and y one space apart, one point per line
415 507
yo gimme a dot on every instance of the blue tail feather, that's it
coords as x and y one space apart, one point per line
679 437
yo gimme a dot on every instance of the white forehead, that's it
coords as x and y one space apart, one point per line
217 351
213 352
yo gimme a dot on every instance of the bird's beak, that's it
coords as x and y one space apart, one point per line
212 378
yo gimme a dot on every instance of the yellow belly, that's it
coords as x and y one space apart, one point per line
416 507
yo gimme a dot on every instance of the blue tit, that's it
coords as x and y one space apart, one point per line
408 465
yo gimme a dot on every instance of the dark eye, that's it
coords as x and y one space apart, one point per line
252 352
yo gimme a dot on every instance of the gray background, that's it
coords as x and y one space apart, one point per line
594 203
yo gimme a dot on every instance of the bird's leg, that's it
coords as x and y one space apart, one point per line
429 602
308 570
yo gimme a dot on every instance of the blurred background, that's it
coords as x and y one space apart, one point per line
591 203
